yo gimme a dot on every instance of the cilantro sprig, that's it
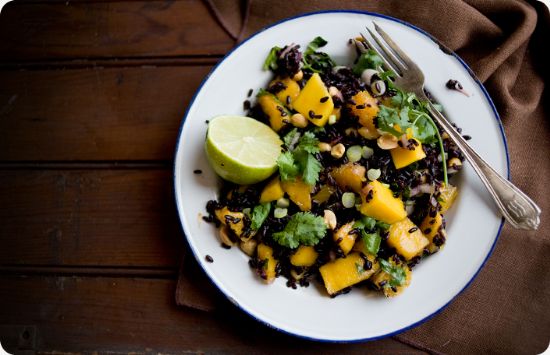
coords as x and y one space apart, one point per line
371 231
397 274
271 60
367 60
316 61
299 159
259 215
304 228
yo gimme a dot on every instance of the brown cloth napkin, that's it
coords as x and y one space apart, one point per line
507 308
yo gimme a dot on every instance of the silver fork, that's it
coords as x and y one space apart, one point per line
518 209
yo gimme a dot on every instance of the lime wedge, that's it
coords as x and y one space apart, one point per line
241 149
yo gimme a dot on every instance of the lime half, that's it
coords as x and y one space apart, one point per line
241 149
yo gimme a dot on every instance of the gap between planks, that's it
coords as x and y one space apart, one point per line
90 271
88 165
114 62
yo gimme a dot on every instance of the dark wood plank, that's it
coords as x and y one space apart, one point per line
65 29
73 314
107 218
95 113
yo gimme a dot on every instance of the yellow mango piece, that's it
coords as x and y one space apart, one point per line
291 90
349 176
299 192
407 239
430 226
235 221
272 191
324 194
402 156
344 238
379 203
310 99
344 272
265 256
381 280
447 196
305 255
278 115
365 109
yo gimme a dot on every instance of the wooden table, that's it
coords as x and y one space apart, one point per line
91 98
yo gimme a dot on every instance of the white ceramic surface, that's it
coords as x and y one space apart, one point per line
473 223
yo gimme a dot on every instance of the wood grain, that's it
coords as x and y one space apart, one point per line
66 29
121 315
107 218
95 113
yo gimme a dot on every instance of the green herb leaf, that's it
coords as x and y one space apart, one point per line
388 118
303 228
259 214
367 60
270 62
309 143
397 273
315 61
372 241
423 130
288 169
314 45
365 222
300 159
310 169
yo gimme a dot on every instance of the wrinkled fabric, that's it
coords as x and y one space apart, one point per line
506 309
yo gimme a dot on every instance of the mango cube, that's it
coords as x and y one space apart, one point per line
349 176
430 226
272 191
348 271
344 238
237 227
365 109
407 239
269 264
379 203
447 196
299 193
275 110
402 156
289 93
304 256
314 101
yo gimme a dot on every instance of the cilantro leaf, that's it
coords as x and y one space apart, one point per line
259 214
314 45
367 60
288 169
270 62
388 118
372 241
303 228
310 167
300 158
309 143
423 130
365 222
315 61
397 273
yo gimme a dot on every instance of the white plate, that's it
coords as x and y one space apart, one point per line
473 223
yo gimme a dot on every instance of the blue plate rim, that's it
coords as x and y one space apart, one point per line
446 51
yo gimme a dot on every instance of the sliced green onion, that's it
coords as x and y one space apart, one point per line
280 212
332 119
373 174
348 199
283 202
354 153
246 211
366 152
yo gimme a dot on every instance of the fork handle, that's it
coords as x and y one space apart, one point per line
518 209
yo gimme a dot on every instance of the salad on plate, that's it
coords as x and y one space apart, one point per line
335 175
